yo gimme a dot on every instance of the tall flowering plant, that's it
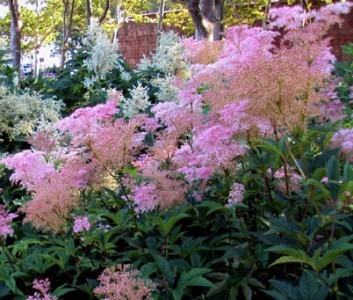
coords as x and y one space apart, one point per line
90 144
219 193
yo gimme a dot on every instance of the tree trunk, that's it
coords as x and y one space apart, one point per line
16 28
195 13
212 13
161 16
37 46
67 26
88 12
207 16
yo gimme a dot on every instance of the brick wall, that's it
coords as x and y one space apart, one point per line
137 40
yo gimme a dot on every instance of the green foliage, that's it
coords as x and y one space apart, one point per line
308 288
244 12
344 69
7 73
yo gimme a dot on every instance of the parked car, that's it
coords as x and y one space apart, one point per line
27 69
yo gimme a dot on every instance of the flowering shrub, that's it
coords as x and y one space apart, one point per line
138 102
80 157
168 57
120 284
25 113
240 187
102 54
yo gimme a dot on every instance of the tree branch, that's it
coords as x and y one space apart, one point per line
104 14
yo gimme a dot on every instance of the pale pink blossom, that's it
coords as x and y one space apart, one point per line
343 139
288 181
236 194
120 283
5 221
324 179
81 224
244 43
43 286
30 168
144 197
337 8
80 122
151 125
289 17
162 188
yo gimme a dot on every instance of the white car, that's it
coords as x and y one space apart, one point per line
27 69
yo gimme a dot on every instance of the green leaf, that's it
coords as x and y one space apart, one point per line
191 278
338 274
254 282
333 174
167 227
186 278
195 259
310 288
22 245
148 269
296 256
347 172
178 293
4 290
167 270
348 49
275 295
11 284
331 255
213 207
318 185
200 281
286 289
62 290
333 168
247 291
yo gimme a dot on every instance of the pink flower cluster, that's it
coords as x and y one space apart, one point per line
236 195
281 83
79 124
117 283
162 188
90 145
5 220
249 88
343 139
252 88
287 181
43 286
81 224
